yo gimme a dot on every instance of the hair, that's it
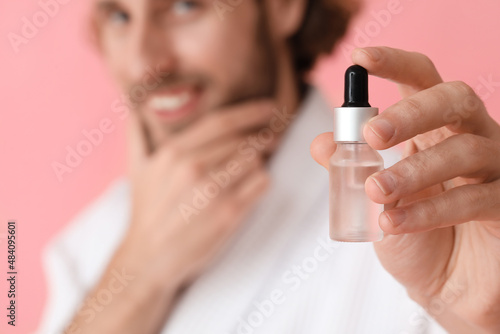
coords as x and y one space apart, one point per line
325 23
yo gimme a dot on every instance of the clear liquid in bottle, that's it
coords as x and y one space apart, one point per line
353 216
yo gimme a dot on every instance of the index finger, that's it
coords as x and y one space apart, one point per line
453 105
221 123
413 71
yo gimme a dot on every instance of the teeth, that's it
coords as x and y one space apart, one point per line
170 103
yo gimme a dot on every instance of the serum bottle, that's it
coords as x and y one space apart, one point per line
353 216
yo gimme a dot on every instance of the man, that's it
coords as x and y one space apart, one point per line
221 226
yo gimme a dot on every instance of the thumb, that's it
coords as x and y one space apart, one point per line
138 149
322 148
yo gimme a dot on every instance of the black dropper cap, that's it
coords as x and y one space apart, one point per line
356 87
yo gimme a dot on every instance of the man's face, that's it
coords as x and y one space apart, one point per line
180 59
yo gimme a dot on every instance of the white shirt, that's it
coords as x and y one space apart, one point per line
279 274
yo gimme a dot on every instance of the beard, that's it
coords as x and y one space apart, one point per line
255 79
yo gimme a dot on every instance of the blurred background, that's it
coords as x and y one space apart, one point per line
55 87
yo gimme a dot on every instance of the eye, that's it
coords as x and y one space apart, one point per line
184 7
118 17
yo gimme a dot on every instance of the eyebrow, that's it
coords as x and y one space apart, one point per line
106 5
112 4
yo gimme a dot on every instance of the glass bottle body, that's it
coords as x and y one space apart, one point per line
353 216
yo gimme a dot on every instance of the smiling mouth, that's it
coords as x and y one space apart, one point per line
174 104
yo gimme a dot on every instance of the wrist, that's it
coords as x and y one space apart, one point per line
157 273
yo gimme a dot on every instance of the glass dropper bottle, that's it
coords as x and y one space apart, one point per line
353 216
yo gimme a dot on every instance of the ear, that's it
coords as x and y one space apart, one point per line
285 16
92 33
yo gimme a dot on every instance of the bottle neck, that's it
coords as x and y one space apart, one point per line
348 123
353 146
355 151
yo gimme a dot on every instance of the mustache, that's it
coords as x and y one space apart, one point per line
138 92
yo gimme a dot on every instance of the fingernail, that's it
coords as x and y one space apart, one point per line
396 217
373 53
382 128
386 181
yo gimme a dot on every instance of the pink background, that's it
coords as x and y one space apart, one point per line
56 87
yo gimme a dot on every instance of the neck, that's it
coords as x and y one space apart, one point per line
288 95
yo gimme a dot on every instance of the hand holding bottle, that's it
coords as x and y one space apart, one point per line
442 212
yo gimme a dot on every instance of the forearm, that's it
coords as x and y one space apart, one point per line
127 299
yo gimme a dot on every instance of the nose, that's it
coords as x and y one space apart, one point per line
150 52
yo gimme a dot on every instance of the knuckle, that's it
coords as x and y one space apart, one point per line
479 200
412 107
402 172
259 162
465 105
440 94
469 100
168 154
429 210
225 122
473 145
191 169
426 60
412 172
212 121
254 163
495 197
219 121
228 214
462 88
172 152
474 195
